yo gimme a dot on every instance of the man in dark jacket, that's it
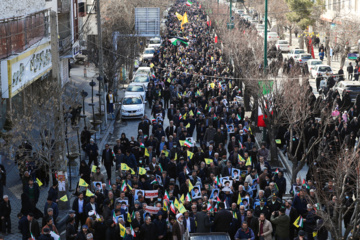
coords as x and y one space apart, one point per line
281 183
24 226
5 211
32 191
53 192
189 223
70 230
79 208
161 227
282 223
222 219
203 220
148 230
107 159
46 235
350 70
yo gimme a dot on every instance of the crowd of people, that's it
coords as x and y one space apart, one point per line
202 173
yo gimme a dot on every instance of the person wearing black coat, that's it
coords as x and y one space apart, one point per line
5 211
85 172
46 235
100 229
53 192
160 223
112 230
107 159
33 192
24 224
79 211
70 230
222 219
203 221
148 230
281 183
81 235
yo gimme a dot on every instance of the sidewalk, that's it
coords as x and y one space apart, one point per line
13 186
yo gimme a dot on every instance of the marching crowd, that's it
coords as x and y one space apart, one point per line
202 173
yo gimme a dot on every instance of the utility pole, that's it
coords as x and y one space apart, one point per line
265 53
101 60
59 124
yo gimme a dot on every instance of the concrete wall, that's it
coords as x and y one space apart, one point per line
16 8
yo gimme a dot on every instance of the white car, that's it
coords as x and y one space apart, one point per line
148 54
295 52
321 70
142 80
272 36
312 63
145 70
283 45
303 58
254 22
351 87
132 107
155 40
134 90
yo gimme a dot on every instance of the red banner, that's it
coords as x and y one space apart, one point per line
311 48
151 194
152 210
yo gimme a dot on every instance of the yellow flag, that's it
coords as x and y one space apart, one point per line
82 183
208 160
93 168
146 153
64 198
181 142
159 93
240 158
168 80
184 117
182 198
128 217
182 209
175 158
166 153
188 125
142 171
176 203
191 113
190 186
124 167
179 16
151 65
278 141
89 193
315 234
212 85
190 154
130 188
132 172
248 162
122 230
296 222
239 200
39 182
184 20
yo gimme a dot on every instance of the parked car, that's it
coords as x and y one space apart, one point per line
352 87
142 80
148 54
132 107
272 36
155 40
206 236
302 58
283 45
295 51
144 70
312 63
134 90
323 70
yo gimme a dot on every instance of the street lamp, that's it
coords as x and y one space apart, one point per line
99 93
92 85
78 137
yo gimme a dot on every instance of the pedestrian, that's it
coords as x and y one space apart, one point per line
244 232
85 137
71 232
203 221
2 179
301 236
321 54
107 159
350 70
178 227
79 208
32 192
265 228
110 104
92 152
148 230
24 226
282 224
223 219
46 235
5 211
